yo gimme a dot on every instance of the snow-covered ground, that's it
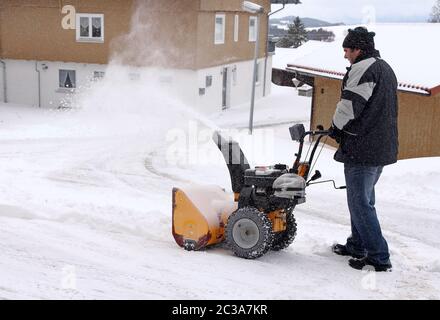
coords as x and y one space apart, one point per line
85 206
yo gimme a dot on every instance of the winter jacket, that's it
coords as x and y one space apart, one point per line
367 114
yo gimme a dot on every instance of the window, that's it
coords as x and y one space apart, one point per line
219 28
236 24
67 79
90 27
208 81
252 29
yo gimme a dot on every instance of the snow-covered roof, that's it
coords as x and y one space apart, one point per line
340 75
410 49
305 87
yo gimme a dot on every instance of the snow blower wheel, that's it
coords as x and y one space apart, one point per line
284 239
249 233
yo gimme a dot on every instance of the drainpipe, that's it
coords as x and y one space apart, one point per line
5 87
267 49
39 84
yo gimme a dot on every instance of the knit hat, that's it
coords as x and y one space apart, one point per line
359 38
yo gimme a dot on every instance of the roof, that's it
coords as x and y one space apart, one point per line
409 48
339 75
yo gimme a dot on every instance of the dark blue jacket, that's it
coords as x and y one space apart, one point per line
367 114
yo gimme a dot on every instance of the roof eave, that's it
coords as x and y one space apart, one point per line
338 75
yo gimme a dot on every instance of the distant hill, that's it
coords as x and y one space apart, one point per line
308 22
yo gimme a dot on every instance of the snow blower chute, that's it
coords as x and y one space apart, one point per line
258 216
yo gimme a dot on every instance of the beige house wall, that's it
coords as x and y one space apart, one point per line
210 54
163 34
230 5
31 30
174 33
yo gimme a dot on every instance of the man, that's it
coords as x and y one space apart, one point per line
365 125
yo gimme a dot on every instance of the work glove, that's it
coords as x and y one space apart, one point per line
335 133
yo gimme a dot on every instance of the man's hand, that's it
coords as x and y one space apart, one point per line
335 133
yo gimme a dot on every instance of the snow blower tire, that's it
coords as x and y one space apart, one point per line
249 233
284 239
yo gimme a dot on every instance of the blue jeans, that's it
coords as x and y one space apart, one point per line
366 235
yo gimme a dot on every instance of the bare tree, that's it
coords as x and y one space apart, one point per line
435 13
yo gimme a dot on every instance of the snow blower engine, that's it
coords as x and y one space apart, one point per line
259 215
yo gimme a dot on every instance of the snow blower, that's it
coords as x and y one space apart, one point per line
258 217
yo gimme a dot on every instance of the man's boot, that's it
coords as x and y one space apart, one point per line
342 250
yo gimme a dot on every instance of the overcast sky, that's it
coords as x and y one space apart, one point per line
359 11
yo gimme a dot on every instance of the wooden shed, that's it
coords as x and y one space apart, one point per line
419 108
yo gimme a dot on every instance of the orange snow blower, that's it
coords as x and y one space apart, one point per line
258 216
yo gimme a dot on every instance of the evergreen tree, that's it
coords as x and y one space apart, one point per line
435 13
296 35
298 32
285 42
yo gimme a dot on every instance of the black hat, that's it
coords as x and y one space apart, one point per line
359 38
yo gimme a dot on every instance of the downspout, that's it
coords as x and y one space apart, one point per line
39 84
5 87
267 49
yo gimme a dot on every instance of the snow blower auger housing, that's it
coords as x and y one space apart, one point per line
259 216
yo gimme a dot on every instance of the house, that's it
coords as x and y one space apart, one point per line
419 105
52 48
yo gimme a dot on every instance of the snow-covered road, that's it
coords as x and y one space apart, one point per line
85 213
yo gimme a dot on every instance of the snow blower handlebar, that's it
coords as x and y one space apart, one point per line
298 133
326 181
